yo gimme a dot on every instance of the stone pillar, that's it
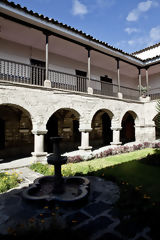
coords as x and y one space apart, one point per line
47 82
139 133
150 132
120 95
39 155
116 136
85 139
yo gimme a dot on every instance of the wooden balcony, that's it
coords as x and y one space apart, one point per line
35 75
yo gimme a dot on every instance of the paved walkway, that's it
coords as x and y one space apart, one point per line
97 219
19 163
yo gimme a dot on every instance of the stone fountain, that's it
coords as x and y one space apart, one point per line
64 190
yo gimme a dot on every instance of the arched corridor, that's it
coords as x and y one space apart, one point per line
16 139
101 134
64 123
157 125
128 128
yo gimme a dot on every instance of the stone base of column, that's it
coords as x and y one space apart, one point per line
115 143
90 90
47 83
39 157
120 95
85 148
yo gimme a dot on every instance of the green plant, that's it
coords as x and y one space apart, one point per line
42 168
8 181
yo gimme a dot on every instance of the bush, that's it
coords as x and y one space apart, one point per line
8 181
42 169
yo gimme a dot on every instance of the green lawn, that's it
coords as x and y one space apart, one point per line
138 183
125 168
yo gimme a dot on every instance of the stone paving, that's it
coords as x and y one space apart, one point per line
97 219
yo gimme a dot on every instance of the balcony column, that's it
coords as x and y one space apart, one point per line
90 89
85 139
116 136
120 95
39 154
147 85
140 82
47 82
147 81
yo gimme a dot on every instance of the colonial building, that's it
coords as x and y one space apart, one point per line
57 80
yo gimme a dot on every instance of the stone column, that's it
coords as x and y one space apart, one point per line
120 95
85 139
47 82
150 132
116 136
140 133
39 155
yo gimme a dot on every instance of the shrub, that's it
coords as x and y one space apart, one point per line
43 169
74 159
8 181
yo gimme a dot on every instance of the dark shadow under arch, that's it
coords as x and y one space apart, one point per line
101 134
127 133
156 119
16 138
64 123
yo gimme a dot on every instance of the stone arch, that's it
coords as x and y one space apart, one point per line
156 120
65 123
127 133
101 134
15 127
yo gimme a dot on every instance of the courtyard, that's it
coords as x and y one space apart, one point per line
126 208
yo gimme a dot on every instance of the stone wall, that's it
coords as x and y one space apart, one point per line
41 103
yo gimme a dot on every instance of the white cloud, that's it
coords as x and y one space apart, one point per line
144 6
79 8
133 16
155 33
141 8
131 30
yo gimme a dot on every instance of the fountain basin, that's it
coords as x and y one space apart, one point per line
74 189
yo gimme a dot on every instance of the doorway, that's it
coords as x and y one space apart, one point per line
37 72
2 134
81 81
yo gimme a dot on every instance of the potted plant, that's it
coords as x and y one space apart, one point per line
143 90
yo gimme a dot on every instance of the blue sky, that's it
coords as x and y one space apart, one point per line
126 24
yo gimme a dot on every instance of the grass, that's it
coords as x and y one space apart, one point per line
8 181
139 202
123 168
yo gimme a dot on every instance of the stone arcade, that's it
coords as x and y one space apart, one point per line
57 80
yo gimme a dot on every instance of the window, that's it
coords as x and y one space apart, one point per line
106 79
106 85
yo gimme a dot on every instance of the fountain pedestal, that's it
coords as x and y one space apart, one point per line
57 188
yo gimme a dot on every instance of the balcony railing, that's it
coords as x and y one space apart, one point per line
35 75
154 93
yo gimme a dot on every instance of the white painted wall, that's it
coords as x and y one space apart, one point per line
21 53
149 53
